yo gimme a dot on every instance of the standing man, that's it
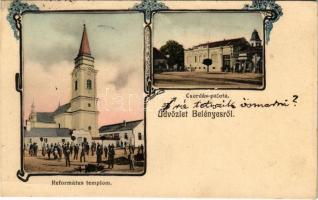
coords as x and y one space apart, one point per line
82 150
105 151
131 160
142 149
49 150
71 148
76 149
99 153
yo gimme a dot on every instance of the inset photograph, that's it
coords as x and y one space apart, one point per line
83 93
217 50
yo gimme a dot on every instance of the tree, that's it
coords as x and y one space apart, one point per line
174 53
207 62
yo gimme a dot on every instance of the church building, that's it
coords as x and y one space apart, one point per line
231 55
77 117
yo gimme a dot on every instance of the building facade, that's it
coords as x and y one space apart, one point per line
233 55
124 134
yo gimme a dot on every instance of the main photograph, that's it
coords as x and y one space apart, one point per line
208 49
83 108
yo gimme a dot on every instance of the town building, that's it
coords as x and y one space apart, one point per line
231 55
47 135
123 134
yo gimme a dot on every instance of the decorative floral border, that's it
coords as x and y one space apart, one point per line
14 17
148 7
272 12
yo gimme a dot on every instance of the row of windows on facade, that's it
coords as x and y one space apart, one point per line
88 84
116 136
199 58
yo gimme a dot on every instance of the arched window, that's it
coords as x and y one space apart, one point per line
89 84
76 85
89 128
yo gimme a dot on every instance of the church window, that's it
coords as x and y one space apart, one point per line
59 125
89 84
126 136
89 128
139 136
195 59
89 105
76 85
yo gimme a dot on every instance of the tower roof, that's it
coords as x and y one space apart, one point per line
255 36
84 48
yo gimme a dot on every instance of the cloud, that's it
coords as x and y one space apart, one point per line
51 38
51 42
194 28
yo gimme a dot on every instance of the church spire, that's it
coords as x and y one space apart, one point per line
84 48
32 106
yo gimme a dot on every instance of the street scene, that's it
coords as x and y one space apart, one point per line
79 114
71 158
210 50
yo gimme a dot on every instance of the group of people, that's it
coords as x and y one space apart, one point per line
33 149
80 151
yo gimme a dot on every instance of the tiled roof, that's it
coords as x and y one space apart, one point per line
62 109
84 48
234 42
48 132
46 117
120 126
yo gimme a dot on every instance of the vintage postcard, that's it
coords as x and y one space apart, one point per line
159 98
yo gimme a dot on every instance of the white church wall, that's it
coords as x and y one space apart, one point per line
83 120
64 120
43 125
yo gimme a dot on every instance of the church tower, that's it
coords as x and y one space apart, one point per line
84 101
255 39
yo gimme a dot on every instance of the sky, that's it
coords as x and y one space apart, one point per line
191 29
50 44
